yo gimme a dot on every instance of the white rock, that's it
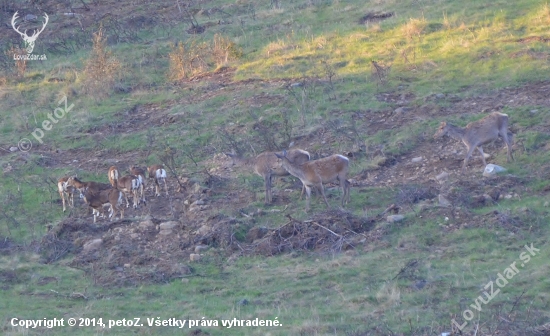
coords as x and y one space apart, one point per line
201 248
14 149
443 176
168 225
443 201
491 170
417 159
93 245
395 218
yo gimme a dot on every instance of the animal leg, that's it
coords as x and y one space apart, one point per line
320 187
470 151
482 155
508 141
308 195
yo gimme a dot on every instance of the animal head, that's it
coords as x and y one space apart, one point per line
442 130
235 158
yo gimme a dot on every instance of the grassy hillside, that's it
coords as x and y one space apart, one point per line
137 82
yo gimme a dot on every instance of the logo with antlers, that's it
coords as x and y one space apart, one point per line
29 40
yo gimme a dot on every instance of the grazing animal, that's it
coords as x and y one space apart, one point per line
158 173
479 133
96 200
63 189
140 173
267 165
315 173
113 175
130 184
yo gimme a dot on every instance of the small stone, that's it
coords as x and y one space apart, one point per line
395 218
194 257
185 280
168 225
243 302
201 248
492 169
401 110
443 201
198 202
442 177
14 149
417 159
509 196
93 245
546 204
166 232
203 230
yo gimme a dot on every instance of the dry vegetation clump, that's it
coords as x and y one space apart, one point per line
331 230
102 68
20 63
196 58
414 27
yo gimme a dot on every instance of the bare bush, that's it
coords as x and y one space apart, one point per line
102 68
196 58
20 62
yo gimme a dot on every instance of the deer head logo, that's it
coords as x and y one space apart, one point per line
29 40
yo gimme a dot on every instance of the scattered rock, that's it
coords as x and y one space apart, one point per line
203 230
14 149
93 245
168 225
417 159
147 224
491 170
442 177
401 110
395 218
194 257
198 202
201 248
443 201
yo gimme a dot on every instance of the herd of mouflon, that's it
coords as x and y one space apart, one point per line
296 162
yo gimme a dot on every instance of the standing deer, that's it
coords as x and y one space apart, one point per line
158 173
65 189
130 184
479 133
113 175
140 173
267 165
96 200
315 173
